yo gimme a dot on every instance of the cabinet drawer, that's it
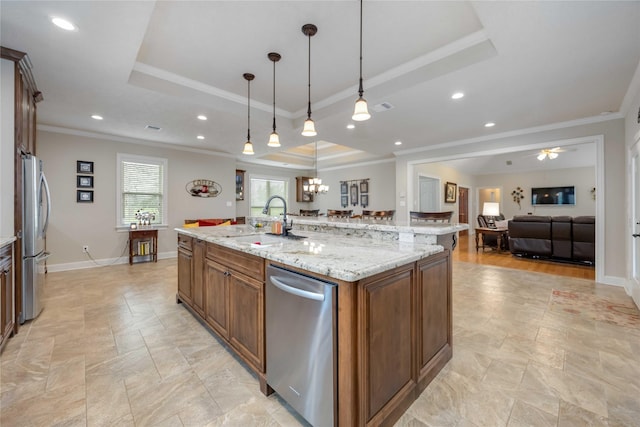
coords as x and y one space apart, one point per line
250 265
185 242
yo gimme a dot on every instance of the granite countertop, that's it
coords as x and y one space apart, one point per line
340 257
397 226
6 240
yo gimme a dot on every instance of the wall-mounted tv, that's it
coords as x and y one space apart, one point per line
553 196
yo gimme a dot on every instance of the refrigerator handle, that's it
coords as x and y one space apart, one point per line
46 190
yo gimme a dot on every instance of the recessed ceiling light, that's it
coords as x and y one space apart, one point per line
398 143
96 117
202 117
200 136
63 23
351 126
457 95
489 125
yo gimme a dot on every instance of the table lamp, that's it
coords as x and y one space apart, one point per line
490 210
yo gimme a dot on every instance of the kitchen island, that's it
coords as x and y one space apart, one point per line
393 308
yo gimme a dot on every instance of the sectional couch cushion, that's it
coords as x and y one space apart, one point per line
584 238
530 235
561 237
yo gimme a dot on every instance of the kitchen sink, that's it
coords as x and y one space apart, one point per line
288 236
266 238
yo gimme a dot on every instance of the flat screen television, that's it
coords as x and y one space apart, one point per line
553 196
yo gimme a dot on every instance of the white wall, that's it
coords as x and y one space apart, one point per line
74 224
382 186
584 179
7 146
614 193
446 174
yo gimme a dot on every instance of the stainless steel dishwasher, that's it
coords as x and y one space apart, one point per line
301 343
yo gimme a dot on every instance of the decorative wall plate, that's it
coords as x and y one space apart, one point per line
203 188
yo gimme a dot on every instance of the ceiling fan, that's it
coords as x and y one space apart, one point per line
550 153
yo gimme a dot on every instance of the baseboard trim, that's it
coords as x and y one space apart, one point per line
104 262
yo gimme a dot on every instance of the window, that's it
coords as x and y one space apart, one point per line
262 189
142 186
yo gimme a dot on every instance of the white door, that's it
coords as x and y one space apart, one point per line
429 194
635 216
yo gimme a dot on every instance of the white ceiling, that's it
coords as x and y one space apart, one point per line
138 63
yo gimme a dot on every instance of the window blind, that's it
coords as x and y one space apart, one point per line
142 189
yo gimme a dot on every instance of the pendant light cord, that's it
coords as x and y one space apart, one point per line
309 80
360 89
274 96
248 110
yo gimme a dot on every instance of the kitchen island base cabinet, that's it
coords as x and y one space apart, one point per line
394 329
226 292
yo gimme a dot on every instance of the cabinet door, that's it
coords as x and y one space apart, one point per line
217 297
197 286
185 275
246 308
434 306
386 318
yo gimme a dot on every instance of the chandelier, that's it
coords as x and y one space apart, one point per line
315 184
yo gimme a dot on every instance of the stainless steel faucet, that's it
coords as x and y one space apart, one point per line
285 230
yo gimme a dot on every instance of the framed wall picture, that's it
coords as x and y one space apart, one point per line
84 196
84 181
364 200
353 191
364 186
344 188
344 200
450 192
83 166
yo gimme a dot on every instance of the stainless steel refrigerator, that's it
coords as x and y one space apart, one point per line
35 219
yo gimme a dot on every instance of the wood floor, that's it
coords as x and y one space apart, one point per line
466 251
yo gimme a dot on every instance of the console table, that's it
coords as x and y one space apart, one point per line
143 242
500 233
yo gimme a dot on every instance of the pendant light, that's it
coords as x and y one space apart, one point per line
274 139
315 184
361 111
309 128
248 146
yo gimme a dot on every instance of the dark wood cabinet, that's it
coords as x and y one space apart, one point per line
246 308
185 268
435 326
25 96
388 312
301 195
216 307
198 283
7 318
394 329
226 290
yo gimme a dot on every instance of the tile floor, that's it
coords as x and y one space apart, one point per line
112 348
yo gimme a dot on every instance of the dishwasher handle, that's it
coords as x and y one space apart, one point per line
296 291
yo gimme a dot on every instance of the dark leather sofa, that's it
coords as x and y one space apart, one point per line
559 237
